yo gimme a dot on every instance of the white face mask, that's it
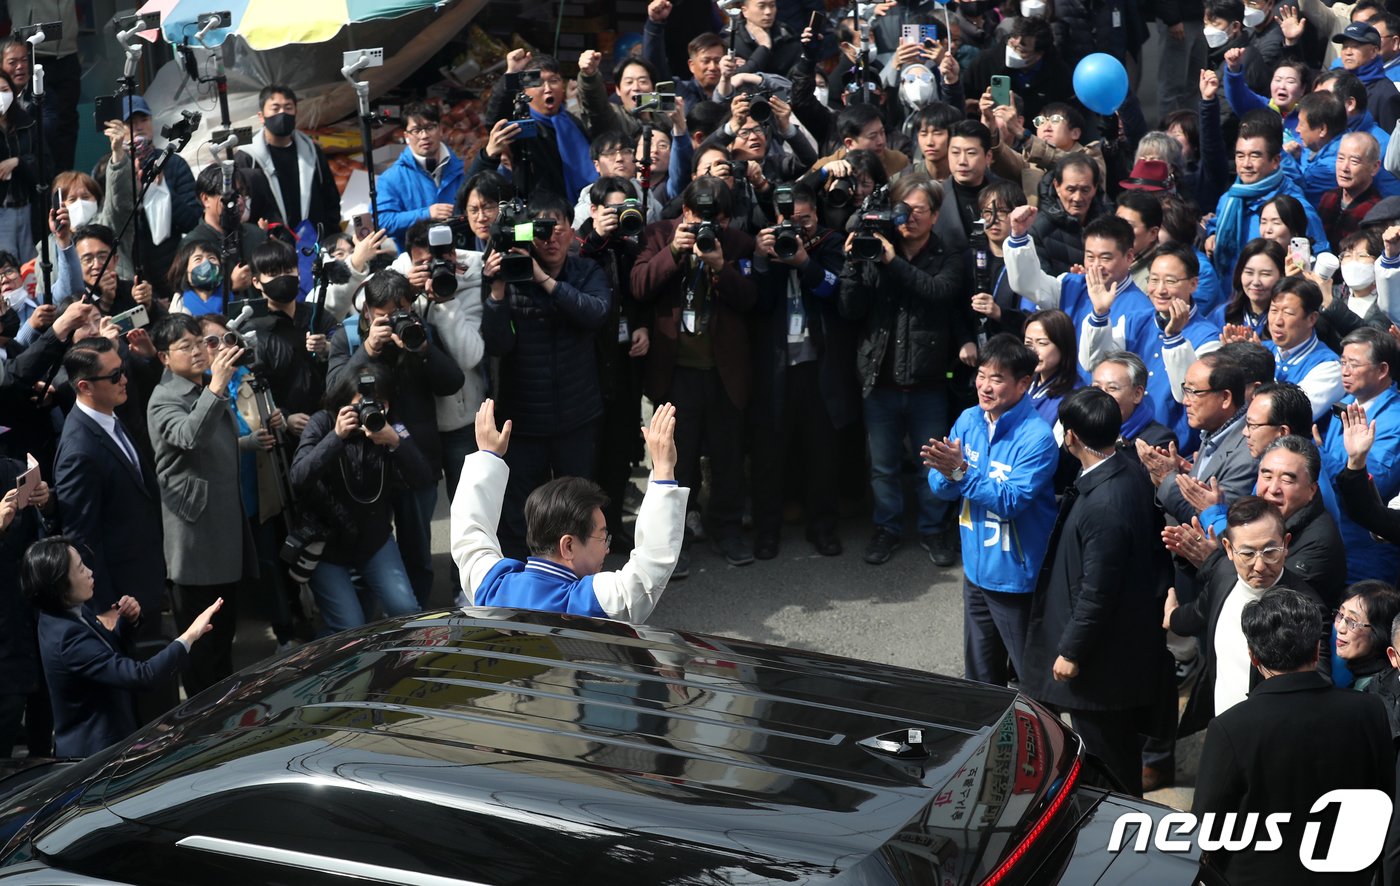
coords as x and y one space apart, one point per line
1253 18
916 86
1014 59
6 99
80 212
1033 8
1358 274
1215 38
821 94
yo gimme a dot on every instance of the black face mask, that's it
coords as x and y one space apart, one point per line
281 125
282 289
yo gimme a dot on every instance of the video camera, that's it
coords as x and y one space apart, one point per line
876 216
369 411
249 356
515 227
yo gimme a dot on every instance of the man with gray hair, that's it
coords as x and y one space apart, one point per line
1342 208
1123 376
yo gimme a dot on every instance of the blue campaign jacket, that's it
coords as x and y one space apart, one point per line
406 192
538 584
1145 339
1366 557
1008 505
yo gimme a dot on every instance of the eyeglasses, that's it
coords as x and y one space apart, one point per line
1168 282
422 130
1351 624
114 376
606 537
1041 120
619 154
94 258
1198 392
9 273
1354 365
1111 388
484 211
991 215
1270 556
749 132
183 348
1252 426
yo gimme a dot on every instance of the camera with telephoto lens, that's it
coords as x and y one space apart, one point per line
706 231
514 227
408 326
369 411
442 267
760 108
876 216
630 220
840 191
787 239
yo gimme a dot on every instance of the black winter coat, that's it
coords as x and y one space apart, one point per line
1315 551
1051 82
915 316
778 59
833 336
1363 504
418 379
346 487
549 371
1058 236
1099 598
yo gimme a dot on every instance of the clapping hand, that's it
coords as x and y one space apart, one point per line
1200 495
1192 543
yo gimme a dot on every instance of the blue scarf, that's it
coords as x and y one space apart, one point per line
573 150
1232 224
1141 418
1372 71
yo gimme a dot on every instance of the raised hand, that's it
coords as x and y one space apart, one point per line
1021 219
1234 58
1210 85
1358 436
1101 295
661 442
488 438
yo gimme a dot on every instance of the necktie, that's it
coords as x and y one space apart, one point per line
128 447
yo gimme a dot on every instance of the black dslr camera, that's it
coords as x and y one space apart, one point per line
876 216
787 237
514 227
630 220
369 411
840 192
442 267
408 326
706 231
760 108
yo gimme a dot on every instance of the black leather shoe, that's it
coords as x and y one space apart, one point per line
826 542
765 547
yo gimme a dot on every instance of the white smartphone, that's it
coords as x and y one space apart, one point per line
136 318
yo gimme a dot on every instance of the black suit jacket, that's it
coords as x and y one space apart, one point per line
91 680
1294 739
1099 598
1316 552
112 513
1198 619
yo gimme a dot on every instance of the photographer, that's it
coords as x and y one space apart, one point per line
700 291
863 128
912 300
425 177
479 202
844 184
208 548
750 132
391 334
623 340
804 389
220 226
614 154
750 215
290 351
543 330
346 476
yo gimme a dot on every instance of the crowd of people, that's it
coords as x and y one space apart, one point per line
1141 374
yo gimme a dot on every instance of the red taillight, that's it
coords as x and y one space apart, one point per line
1060 798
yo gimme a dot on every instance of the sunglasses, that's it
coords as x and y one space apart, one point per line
114 376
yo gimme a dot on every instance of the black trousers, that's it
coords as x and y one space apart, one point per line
63 79
535 461
801 445
211 657
708 421
619 437
1115 737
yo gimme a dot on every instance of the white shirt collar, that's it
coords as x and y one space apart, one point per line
104 421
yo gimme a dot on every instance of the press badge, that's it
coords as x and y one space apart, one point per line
1117 18
688 321
624 335
797 328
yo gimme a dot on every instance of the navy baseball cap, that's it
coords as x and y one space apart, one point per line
1359 32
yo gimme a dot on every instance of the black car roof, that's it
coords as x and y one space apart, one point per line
759 757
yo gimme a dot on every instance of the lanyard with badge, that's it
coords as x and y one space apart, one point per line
797 311
689 316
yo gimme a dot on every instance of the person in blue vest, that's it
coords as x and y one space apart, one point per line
423 182
1259 178
1300 357
1168 339
1000 459
1368 360
567 533
1108 248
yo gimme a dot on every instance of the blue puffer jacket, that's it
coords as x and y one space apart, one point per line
406 192
1008 504
549 377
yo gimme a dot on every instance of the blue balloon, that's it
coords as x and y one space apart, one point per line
1100 83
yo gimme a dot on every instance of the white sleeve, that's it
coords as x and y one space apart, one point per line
1387 292
1097 338
476 511
339 295
631 593
581 214
1391 161
1025 276
1323 386
1177 356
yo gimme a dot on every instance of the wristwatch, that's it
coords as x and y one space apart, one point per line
958 473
